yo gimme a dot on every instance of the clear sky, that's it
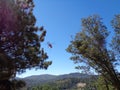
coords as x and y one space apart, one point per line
61 19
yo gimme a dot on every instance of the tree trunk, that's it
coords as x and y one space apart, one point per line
106 84
116 80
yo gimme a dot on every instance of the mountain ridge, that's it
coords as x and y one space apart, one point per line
35 80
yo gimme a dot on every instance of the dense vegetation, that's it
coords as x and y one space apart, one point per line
61 82
91 82
20 45
66 84
90 47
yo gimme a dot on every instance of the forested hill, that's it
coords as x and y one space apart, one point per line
46 78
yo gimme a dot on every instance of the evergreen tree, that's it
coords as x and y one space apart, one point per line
102 84
89 47
116 39
20 44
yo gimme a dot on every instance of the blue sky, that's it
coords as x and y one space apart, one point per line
61 19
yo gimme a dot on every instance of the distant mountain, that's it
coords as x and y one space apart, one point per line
73 75
46 78
38 79
41 77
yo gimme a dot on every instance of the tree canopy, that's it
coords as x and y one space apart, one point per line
20 42
90 47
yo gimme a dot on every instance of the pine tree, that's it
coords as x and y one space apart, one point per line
89 47
20 44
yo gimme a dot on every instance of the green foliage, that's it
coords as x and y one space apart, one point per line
89 47
102 84
20 43
45 87
66 84
116 39
18 84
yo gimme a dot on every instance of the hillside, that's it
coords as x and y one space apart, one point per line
38 79
70 80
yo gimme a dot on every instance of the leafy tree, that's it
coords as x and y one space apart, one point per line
89 47
45 87
17 84
68 84
116 39
20 44
102 85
